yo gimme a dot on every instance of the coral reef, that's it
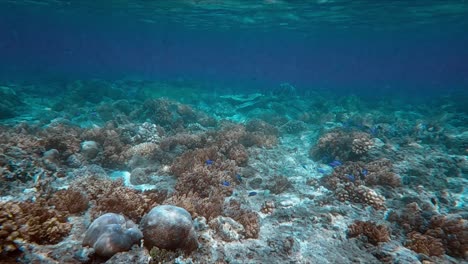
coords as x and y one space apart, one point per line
248 219
169 227
23 222
431 233
425 244
342 145
375 233
111 233
238 166
113 145
111 196
69 200
352 181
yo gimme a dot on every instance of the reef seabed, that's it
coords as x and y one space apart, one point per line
266 178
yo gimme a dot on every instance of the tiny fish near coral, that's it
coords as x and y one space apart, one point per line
350 177
335 163
226 183
239 178
323 171
209 162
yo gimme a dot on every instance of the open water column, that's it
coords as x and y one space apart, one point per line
223 131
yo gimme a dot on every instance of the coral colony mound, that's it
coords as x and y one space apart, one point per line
149 176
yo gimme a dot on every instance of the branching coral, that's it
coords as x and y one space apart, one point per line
70 200
207 179
249 219
64 138
433 234
425 244
32 222
342 145
111 139
188 141
375 233
239 154
410 218
112 196
351 181
209 207
360 194
452 230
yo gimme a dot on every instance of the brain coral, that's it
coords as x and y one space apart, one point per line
111 233
169 227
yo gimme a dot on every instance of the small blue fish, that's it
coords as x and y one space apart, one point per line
323 171
253 193
239 178
209 162
226 183
304 166
364 172
350 177
335 163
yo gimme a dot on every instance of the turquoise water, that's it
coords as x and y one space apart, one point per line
325 131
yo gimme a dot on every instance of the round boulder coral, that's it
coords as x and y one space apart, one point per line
89 149
111 233
169 227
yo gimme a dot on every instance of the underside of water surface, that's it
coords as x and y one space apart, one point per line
211 131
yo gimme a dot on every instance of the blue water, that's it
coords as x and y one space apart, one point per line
391 45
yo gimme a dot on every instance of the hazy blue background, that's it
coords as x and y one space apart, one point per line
42 43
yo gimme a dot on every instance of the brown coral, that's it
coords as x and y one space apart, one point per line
209 207
375 233
360 194
342 145
425 244
452 230
352 181
64 138
29 221
239 154
361 143
111 196
70 200
111 139
249 219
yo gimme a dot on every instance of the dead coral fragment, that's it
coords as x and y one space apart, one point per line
375 233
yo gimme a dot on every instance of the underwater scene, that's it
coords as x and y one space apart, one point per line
223 131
